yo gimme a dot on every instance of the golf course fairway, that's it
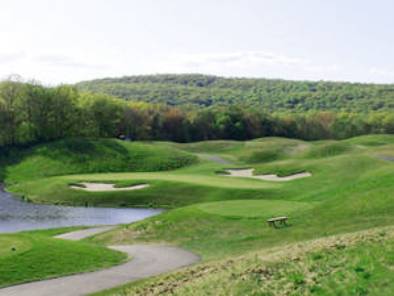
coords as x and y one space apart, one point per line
339 217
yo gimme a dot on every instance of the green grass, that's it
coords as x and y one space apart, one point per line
329 149
11 246
254 208
35 255
348 265
371 140
75 156
167 189
219 217
347 192
257 151
283 168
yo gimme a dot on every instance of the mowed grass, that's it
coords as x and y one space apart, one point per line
256 151
73 156
35 255
254 208
192 184
219 217
348 191
9 245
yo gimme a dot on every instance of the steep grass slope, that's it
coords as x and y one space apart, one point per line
75 156
351 264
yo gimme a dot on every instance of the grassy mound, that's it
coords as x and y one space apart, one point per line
254 208
269 149
219 146
347 192
218 217
372 140
283 168
328 149
32 256
166 189
75 156
256 151
359 264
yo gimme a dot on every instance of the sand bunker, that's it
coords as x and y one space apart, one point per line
96 187
248 173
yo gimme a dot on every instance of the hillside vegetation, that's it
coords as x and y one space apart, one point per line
31 113
269 94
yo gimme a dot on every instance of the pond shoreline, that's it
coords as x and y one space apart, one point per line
19 215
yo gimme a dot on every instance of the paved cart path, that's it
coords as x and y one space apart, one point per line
147 260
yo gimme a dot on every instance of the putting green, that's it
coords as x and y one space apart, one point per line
210 180
12 245
255 208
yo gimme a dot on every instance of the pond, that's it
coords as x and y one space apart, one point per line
17 215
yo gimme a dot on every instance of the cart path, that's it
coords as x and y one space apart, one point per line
84 233
147 261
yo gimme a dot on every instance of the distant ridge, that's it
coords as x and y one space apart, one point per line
200 90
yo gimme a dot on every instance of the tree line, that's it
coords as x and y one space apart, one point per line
203 91
31 113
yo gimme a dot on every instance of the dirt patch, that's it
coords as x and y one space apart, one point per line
248 173
98 187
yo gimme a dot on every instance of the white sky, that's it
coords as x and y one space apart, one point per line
68 40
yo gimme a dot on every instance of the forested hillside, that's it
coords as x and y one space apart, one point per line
31 113
269 95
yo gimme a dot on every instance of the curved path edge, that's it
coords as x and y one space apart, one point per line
148 260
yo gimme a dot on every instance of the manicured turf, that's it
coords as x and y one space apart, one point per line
35 255
10 245
348 191
219 217
254 208
74 156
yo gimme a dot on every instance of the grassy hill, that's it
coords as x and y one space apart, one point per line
353 264
29 256
73 156
223 219
350 190
271 95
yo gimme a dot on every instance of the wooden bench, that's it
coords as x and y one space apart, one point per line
280 220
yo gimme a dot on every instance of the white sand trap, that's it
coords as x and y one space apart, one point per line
96 187
248 173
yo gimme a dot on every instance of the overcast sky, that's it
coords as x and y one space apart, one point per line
58 41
